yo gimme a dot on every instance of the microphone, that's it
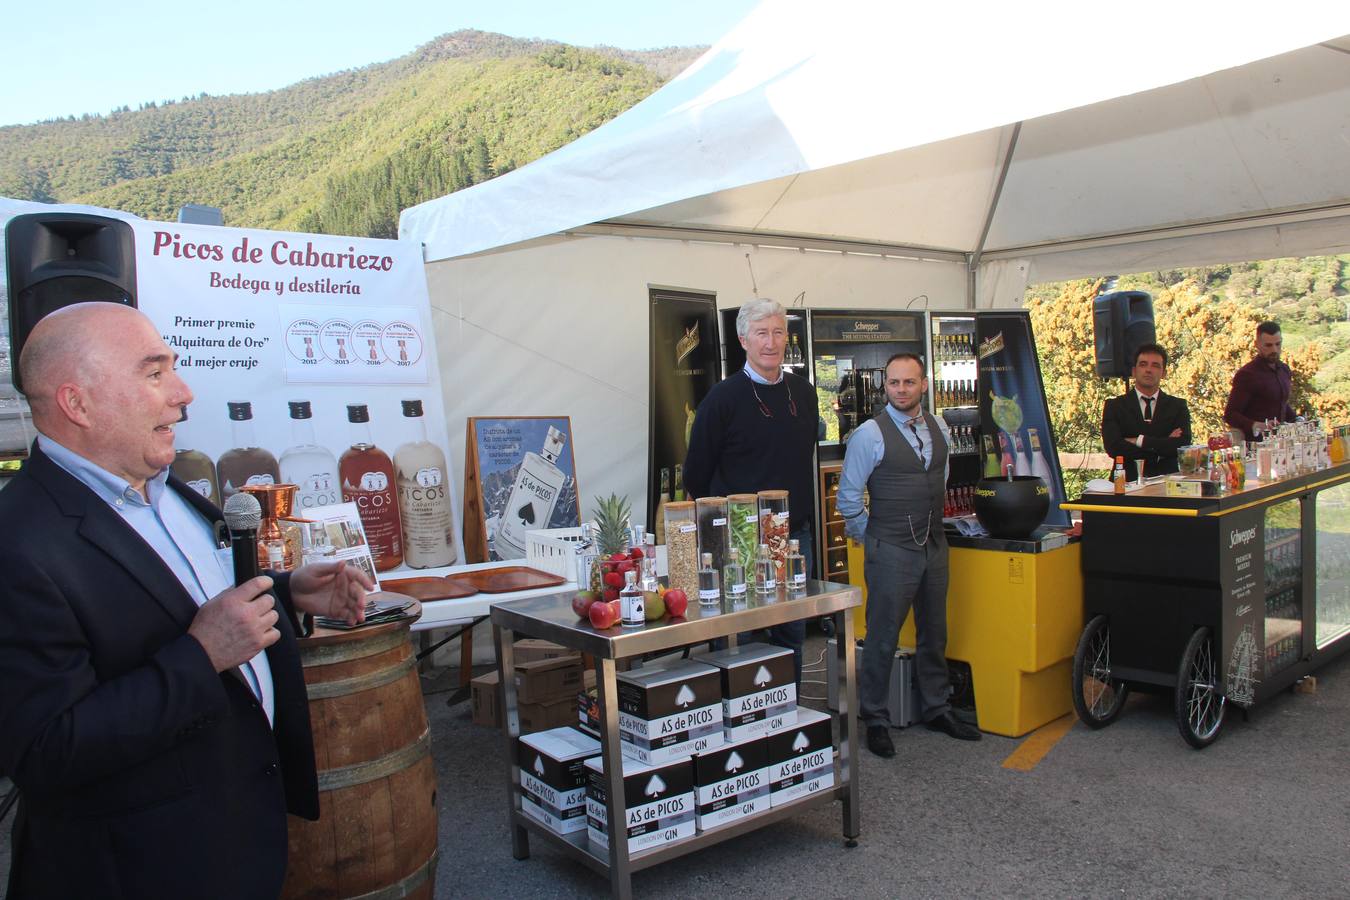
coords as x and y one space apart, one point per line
243 515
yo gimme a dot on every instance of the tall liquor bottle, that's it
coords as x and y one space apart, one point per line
424 497
661 502
533 496
990 457
195 468
368 481
1005 461
1022 462
247 463
1040 466
311 468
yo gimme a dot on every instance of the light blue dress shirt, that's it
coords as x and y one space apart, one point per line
760 379
866 448
176 532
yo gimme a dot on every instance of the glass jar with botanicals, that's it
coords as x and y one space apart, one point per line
682 547
311 468
743 525
714 536
423 497
773 527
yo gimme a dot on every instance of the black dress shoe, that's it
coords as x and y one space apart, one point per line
879 741
949 723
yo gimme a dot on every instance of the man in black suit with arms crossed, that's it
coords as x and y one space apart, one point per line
1144 424
153 714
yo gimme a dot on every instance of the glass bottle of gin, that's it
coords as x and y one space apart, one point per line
533 495
424 497
311 468
632 605
195 469
709 583
368 481
796 567
733 575
247 463
766 571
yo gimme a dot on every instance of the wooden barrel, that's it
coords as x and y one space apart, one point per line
376 834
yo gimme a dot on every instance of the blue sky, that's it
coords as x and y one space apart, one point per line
91 57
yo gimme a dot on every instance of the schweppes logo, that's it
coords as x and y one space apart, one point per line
991 345
686 344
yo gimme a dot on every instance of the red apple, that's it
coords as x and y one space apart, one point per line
602 616
676 602
613 579
581 602
616 606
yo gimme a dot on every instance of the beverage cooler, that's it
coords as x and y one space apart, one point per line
984 381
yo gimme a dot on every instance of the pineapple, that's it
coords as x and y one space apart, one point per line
611 524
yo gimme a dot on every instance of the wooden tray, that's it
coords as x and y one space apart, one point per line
429 588
508 579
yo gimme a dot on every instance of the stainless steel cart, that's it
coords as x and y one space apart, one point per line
552 618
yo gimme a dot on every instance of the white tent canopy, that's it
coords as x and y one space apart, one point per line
1051 132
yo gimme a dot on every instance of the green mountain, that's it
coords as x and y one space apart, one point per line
340 154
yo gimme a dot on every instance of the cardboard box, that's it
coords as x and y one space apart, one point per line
731 782
543 716
545 680
553 777
659 801
670 712
759 689
533 650
486 700
801 758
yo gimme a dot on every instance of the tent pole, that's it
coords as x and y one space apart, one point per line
973 259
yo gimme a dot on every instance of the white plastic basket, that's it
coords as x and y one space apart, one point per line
553 550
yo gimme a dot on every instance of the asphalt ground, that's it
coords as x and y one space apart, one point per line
1127 811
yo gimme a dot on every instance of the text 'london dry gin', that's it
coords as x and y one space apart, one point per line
247 463
533 496
311 468
424 497
368 481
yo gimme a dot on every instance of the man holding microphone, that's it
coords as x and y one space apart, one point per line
153 714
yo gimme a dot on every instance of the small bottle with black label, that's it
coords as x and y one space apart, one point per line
709 587
632 608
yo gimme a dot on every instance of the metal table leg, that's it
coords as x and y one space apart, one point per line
848 724
506 667
620 873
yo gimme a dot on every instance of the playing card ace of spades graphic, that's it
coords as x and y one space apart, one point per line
525 475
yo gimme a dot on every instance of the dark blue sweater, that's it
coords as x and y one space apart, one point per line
735 448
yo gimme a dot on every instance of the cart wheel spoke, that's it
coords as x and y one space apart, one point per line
1097 696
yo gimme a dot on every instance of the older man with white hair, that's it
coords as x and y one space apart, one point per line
756 431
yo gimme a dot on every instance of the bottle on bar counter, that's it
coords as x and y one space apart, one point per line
766 571
796 567
368 481
733 575
1118 475
632 608
709 589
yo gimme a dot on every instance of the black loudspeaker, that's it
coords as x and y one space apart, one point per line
56 259
1122 321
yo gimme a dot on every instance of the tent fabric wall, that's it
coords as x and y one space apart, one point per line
558 326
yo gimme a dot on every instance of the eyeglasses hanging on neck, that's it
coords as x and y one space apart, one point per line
764 407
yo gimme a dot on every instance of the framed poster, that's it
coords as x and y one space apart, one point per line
519 476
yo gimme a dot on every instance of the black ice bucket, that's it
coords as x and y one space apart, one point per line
1012 508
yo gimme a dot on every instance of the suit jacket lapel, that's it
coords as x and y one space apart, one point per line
104 528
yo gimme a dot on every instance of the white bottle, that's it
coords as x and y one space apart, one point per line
766 571
311 468
424 497
1040 466
1021 462
533 496
795 566
733 575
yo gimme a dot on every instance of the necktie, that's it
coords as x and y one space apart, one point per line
1148 409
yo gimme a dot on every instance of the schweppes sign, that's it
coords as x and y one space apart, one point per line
991 345
686 344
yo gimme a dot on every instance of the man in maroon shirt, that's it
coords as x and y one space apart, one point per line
1261 388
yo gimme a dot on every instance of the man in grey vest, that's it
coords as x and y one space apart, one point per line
901 458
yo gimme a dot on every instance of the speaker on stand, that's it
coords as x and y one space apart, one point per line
57 259
1122 322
